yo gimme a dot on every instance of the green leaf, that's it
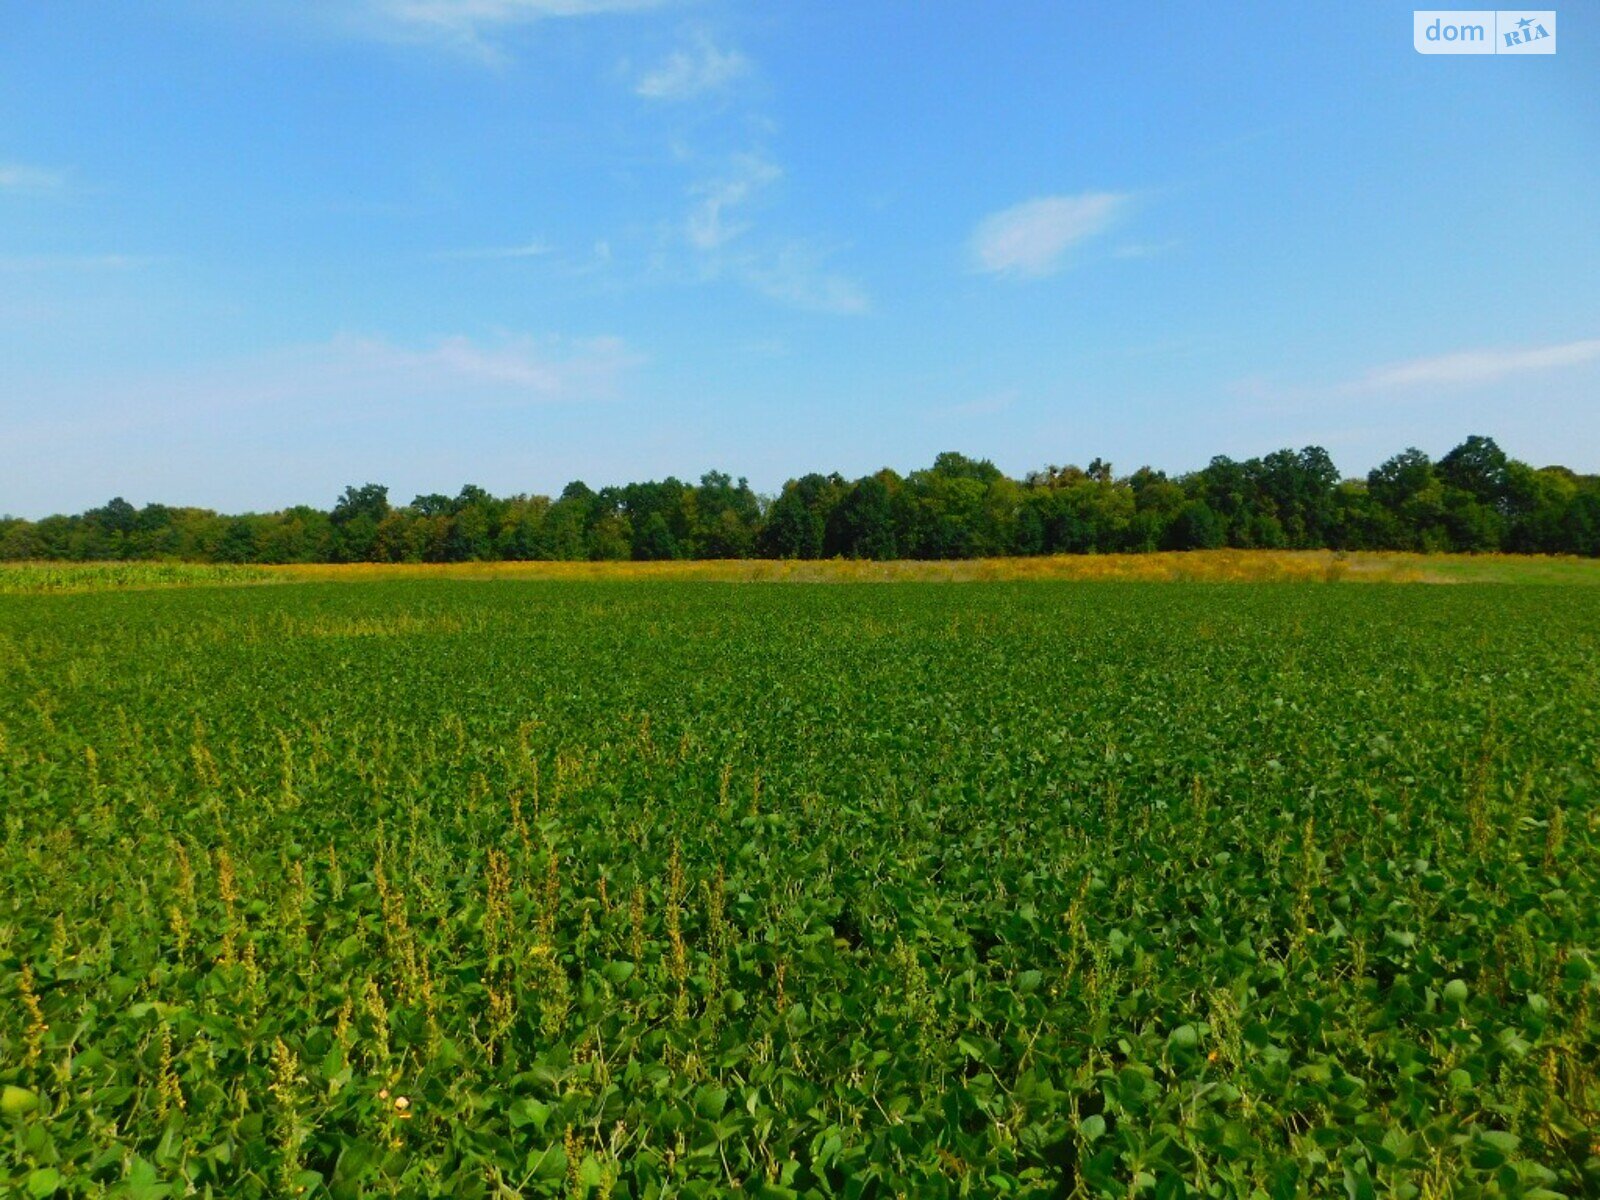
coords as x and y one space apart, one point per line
529 1111
1502 1141
710 1101
143 1182
17 1101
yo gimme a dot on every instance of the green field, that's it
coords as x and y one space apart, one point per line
433 888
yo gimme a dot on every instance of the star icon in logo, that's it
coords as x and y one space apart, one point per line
1524 23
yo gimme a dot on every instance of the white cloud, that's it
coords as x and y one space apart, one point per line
530 250
470 26
1030 239
487 12
709 227
1144 249
514 368
792 271
795 275
474 16
691 72
1468 367
988 405
351 376
74 262
287 422
19 177
1537 377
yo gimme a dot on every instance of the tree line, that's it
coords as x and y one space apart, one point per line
1474 499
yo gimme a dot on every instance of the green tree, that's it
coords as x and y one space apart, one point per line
862 524
797 522
369 500
355 518
1196 527
653 541
1580 524
1400 478
1478 467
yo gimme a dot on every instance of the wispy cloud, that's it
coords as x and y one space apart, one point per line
691 72
470 26
792 271
796 274
1463 377
74 262
287 422
514 368
1466 368
502 12
1031 239
19 177
492 253
710 224
348 377
1144 249
987 405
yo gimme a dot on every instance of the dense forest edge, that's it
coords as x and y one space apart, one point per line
1475 499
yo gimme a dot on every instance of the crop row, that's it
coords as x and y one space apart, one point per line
448 890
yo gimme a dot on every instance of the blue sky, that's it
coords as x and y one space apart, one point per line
251 252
